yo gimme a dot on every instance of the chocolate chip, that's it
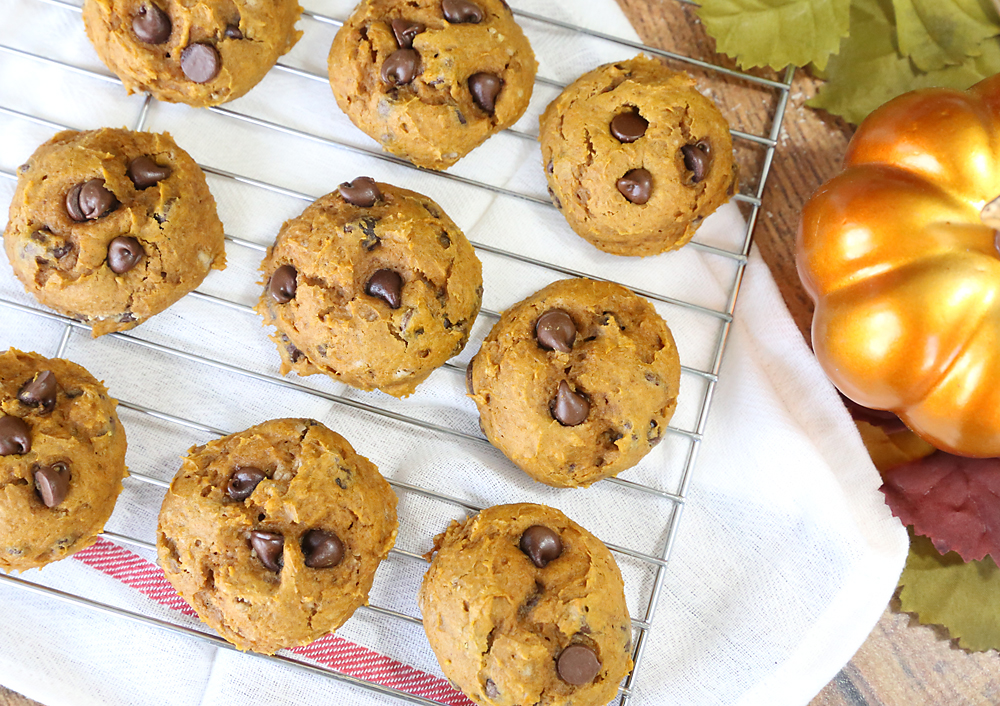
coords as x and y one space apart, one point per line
401 67
541 544
569 408
270 548
363 192
371 242
144 172
444 240
405 31
151 24
468 377
15 436
461 11
387 286
578 665
52 483
243 482
322 549
40 391
233 32
484 88
654 435
124 253
283 284
200 62
636 186
89 200
555 331
628 127
491 689
696 161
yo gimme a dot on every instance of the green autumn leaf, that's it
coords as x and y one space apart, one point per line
776 33
944 590
939 33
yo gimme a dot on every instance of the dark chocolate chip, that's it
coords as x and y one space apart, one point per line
491 689
578 665
461 11
243 482
15 436
401 67
52 483
468 377
444 240
405 31
654 435
89 200
485 88
144 172
371 242
322 549
628 127
541 544
40 391
124 253
270 548
283 284
696 161
387 286
569 408
233 32
127 318
636 186
24 167
151 24
363 192
200 62
555 331
460 116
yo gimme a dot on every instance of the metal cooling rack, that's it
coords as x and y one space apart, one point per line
708 374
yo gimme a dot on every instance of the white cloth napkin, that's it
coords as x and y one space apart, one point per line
786 555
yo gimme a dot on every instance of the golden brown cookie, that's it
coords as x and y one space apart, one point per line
112 226
636 157
200 53
522 605
62 459
577 382
273 535
373 285
432 79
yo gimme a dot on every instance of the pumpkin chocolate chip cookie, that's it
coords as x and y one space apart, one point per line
432 79
373 285
202 54
636 157
577 382
112 226
273 534
521 605
62 459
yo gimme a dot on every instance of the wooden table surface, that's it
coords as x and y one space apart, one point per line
901 662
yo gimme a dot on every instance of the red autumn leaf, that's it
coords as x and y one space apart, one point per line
953 500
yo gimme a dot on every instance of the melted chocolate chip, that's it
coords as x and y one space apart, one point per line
124 253
555 331
485 88
89 201
363 192
200 62
270 548
151 24
569 408
696 160
233 32
243 482
405 31
578 665
636 186
40 391
541 544
628 127
144 172
491 689
322 549
15 436
283 284
400 67
461 11
52 483
387 286
468 377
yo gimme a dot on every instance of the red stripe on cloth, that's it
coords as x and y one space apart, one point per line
330 650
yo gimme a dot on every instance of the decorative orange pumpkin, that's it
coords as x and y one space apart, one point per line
899 254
